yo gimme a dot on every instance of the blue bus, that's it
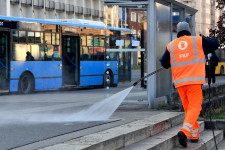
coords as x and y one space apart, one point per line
41 54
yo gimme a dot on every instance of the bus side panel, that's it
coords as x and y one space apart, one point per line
92 72
14 85
217 71
115 79
44 84
92 68
91 80
49 71
112 65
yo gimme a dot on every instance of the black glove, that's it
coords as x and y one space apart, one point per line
214 59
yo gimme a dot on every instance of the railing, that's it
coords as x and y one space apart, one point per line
60 6
87 12
102 15
69 8
39 3
26 2
79 10
14 1
50 5
95 13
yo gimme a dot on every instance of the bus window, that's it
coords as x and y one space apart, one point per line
31 38
48 38
55 38
48 52
113 41
107 41
99 53
96 41
15 35
38 37
19 52
22 36
83 40
85 54
89 40
111 56
127 43
102 41
35 52
51 54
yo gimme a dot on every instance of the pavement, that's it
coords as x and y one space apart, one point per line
66 102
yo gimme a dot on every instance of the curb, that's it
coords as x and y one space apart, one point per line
121 136
216 124
162 141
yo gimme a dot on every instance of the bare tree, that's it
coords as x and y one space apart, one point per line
219 30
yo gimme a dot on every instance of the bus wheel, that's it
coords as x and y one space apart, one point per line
26 83
221 70
108 79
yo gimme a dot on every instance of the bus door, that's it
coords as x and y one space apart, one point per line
71 60
4 61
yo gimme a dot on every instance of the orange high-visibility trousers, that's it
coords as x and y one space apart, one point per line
191 96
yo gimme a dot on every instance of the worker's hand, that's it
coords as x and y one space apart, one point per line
214 59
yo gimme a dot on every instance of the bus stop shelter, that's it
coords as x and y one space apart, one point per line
160 31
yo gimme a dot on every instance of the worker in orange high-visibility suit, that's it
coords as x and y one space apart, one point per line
185 56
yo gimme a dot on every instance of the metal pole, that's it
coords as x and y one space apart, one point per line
151 52
193 25
171 38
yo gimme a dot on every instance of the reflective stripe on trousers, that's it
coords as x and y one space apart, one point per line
195 133
189 128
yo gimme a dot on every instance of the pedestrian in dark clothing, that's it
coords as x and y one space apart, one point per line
185 56
214 59
29 57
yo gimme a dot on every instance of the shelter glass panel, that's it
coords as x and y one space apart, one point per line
163 32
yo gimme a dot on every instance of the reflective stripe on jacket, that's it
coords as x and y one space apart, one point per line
187 60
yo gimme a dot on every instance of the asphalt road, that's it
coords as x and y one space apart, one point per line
28 119
36 120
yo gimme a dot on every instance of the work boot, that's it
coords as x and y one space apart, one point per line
182 139
194 140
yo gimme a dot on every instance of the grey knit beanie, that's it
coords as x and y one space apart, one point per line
181 26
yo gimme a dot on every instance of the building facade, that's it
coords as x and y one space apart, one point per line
134 18
206 17
54 9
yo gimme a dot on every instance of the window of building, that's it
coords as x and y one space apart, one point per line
133 16
139 17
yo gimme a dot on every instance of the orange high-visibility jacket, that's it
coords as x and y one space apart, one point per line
187 60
